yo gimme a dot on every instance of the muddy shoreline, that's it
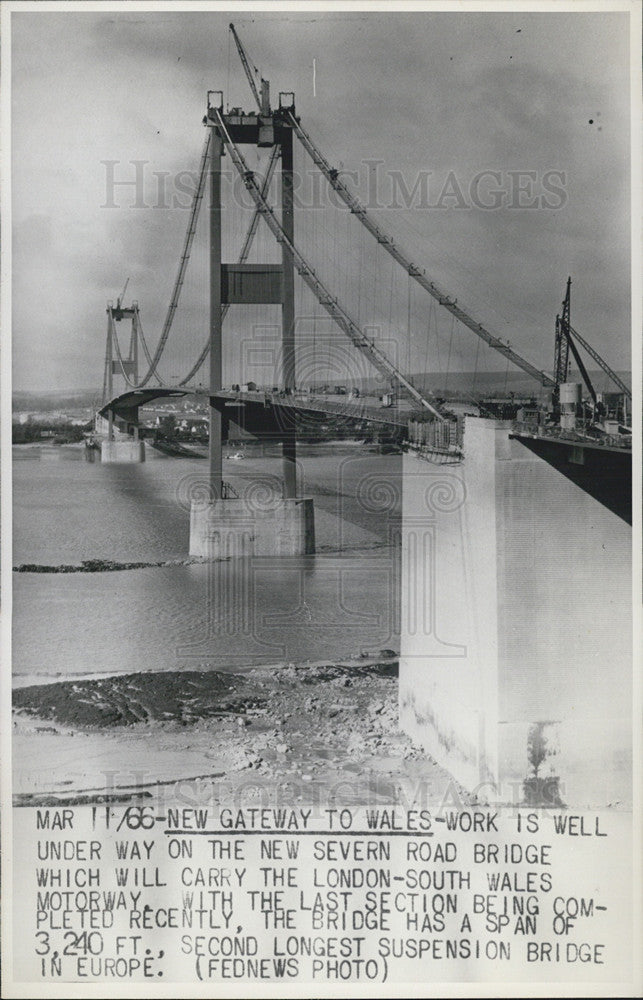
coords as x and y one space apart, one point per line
288 732
101 566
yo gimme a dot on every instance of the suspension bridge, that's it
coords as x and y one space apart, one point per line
515 560
328 298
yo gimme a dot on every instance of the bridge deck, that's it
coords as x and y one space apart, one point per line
342 406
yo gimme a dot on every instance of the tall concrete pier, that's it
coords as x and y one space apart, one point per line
516 651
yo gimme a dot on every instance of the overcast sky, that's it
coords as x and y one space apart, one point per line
439 92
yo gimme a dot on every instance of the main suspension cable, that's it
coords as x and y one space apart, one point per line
183 263
415 272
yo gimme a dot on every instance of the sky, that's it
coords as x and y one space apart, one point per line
445 96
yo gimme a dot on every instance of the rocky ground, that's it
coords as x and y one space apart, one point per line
289 732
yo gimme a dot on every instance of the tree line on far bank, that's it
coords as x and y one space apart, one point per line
36 430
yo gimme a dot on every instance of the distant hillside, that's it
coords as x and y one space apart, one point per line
56 400
456 383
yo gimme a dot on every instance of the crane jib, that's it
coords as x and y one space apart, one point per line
603 364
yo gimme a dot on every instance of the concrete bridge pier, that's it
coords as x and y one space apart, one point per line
122 445
123 452
516 631
241 526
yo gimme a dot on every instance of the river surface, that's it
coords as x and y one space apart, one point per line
343 600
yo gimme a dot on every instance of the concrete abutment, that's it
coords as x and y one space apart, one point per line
516 655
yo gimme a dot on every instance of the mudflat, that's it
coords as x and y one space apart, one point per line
288 732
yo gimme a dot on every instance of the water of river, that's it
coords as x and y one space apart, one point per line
198 616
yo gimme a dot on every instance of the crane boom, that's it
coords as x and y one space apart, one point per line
415 272
581 367
561 344
599 361
246 65
122 295
564 342
376 356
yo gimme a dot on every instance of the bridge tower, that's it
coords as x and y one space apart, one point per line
115 364
288 527
128 448
265 284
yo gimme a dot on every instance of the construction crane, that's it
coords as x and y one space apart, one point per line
601 363
565 339
122 295
561 343
263 101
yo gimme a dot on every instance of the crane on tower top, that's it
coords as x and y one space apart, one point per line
122 295
263 100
